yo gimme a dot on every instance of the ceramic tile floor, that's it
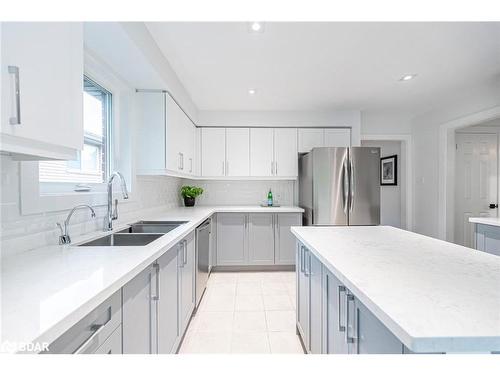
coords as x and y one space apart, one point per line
245 312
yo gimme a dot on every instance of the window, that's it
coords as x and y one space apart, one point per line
93 162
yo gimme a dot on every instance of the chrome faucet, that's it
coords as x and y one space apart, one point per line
64 238
113 215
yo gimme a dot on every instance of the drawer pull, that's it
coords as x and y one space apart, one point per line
96 329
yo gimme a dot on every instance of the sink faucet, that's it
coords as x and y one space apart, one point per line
113 215
64 238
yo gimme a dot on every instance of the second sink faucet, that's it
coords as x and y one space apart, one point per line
64 238
110 214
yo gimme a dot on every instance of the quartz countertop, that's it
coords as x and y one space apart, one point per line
434 296
494 221
46 291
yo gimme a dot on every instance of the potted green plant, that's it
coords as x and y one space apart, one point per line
189 193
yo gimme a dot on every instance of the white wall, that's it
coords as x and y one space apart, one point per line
426 134
383 122
392 198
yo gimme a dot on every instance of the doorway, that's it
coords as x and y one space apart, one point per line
476 177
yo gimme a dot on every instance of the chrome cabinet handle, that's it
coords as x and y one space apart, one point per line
16 120
156 266
302 259
97 328
181 249
306 257
182 161
223 168
190 165
272 168
275 168
227 168
185 252
348 298
341 289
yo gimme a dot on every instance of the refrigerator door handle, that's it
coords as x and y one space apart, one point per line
351 185
345 187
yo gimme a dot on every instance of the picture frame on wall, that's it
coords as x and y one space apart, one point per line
389 170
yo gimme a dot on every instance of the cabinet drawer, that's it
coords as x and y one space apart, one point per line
113 344
91 332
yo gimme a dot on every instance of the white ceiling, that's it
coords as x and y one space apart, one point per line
328 66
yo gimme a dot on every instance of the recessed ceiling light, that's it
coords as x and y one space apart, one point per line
252 91
256 27
407 77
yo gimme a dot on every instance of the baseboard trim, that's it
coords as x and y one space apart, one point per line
253 268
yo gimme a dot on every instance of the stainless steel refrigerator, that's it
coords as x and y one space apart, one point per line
340 186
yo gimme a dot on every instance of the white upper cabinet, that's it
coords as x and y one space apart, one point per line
181 139
340 137
329 137
213 152
42 89
285 153
310 138
237 152
261 152
166 139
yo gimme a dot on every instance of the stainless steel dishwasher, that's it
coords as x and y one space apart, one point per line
203 241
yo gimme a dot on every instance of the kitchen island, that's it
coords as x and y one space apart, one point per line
486 234
379 289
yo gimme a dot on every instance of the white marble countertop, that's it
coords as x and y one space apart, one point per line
46 291
494 221
434 296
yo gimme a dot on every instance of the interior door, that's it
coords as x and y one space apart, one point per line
364 184
476 182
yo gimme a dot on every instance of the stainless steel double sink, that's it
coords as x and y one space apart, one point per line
137 234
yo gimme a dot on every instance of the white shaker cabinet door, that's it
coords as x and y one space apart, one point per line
309 138
238 152
175 134
340 137
261 152
213 152
42 87
285 153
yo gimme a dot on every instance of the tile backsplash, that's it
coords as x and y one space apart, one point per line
245 192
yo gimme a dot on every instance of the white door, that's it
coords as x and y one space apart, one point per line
261 152
237 152
285 153
213 152
337 137
47 57
475 182
310 138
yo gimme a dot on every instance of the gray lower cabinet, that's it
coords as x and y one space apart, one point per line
256 239
167 301
330 319
91 334
334 294
139 313
487 238
371 336
261 239
159 302
309 300
284 239
303 295
231 239
186 261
